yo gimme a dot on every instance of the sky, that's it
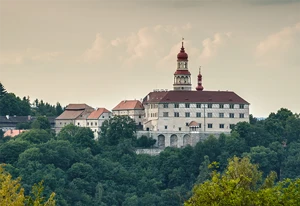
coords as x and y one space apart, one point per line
102 52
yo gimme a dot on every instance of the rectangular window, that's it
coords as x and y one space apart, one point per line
91 123
140 116
166 127
88 124
165 114
241 106
210 126
166 105
242 115
176 105
179 128
186 124
209 115
221 126
176 114
231 126
187 105
221 115
231 115
209 105
78 124
199 125
231 106
187 114
198 114
96 123
221 106
198 105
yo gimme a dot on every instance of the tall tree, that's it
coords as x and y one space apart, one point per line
2 90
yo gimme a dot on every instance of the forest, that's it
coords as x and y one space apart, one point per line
84 171
10 104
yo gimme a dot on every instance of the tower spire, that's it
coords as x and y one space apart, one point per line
199 87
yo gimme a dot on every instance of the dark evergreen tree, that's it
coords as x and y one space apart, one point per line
2 90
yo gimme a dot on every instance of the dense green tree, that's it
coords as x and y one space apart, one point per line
145 142
35 136
41 123
116 129
1 134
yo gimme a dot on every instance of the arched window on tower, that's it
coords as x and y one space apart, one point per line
182 80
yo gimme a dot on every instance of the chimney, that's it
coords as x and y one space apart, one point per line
11 131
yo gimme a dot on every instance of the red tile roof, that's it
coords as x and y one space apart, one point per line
154 97
194 124
96 114
129 104
194 96
13 132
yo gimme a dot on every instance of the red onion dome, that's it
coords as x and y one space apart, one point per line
182 55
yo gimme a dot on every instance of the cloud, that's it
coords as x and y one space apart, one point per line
273 49
30 54
97 50
146 43
212 45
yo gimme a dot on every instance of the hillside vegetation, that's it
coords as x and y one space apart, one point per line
82 171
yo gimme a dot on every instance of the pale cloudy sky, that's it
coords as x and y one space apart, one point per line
102 52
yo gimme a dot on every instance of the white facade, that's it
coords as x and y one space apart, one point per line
167 118
95 124
136 114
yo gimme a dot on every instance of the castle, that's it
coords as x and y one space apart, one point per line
174 118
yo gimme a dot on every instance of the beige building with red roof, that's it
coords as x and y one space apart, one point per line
96 118
74 114
131 108
83 115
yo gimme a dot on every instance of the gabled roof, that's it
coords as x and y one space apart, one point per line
97 113
194 124
69 114
78 107
129 104
13 132
194 96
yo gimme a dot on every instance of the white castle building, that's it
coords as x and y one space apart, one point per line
184 116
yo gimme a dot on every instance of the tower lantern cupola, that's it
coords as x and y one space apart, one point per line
182 76
199 87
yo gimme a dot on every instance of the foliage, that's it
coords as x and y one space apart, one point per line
238 185
145 142
2 90
117 129
84 171
12 194
10 104
41 123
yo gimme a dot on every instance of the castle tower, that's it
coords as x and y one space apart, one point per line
182 76
199 87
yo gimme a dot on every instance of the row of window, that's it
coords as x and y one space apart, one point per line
198 114
209 125
199 105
